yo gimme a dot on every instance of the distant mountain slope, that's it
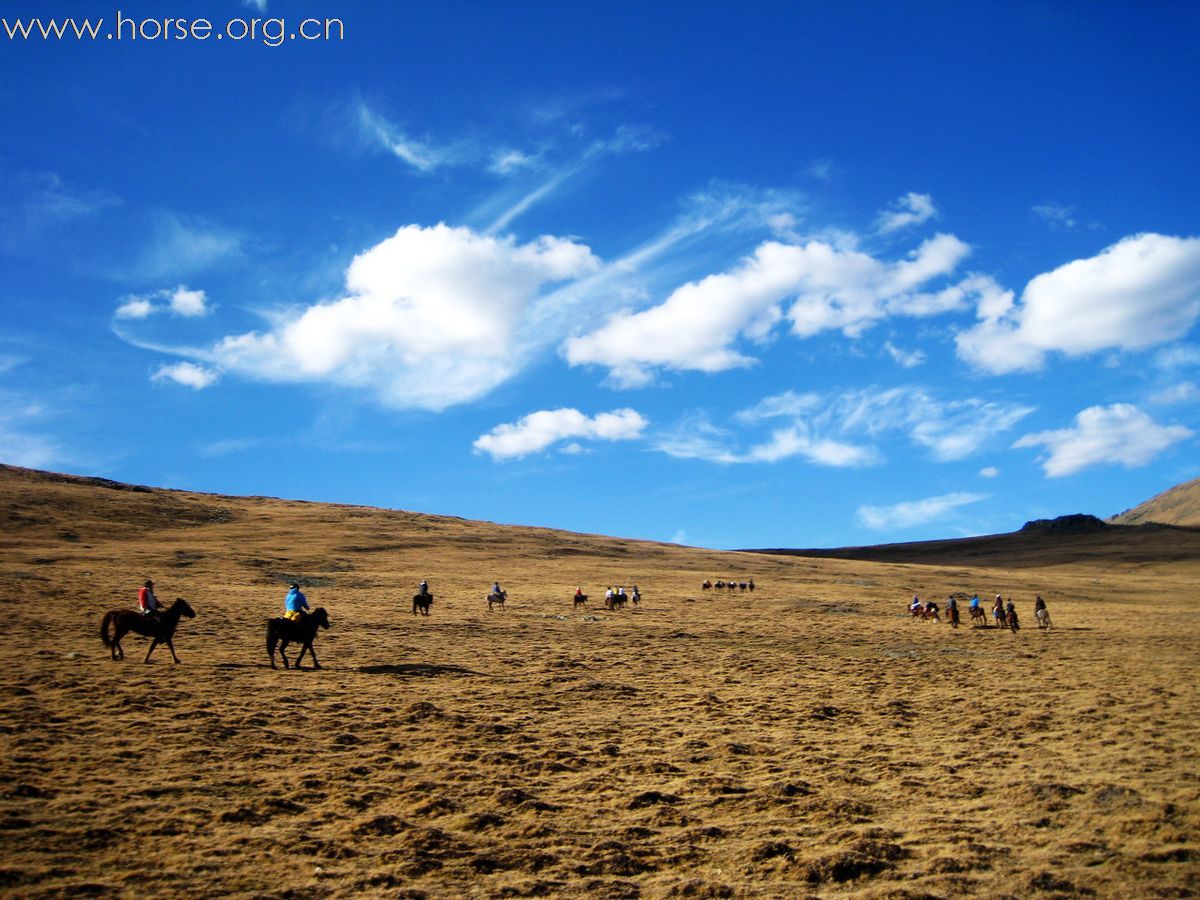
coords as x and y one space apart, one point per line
1045 542
1179 505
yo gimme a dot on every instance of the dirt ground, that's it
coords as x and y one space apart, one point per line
808 738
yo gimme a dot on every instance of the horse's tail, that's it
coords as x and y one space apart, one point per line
272 640
108 617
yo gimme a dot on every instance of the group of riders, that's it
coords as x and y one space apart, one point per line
1003 612
613 597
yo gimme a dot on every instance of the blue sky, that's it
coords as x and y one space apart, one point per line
731 275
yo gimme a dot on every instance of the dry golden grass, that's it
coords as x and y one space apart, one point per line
808 739
1179 505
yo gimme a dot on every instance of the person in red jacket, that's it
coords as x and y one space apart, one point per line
147 602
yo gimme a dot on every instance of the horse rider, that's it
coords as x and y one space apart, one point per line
915 606
578 592
636 596
423 587
496 589
295 604
148 604
1038 605
975 602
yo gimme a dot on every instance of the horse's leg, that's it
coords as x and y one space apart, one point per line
283 646
120 632
153 644
171 647
313 654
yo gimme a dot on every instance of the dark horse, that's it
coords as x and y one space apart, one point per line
497 599
283 631
422 602
161 629
580 600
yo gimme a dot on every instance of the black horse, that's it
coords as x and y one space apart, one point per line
422 602
161 628
283 631
497 600
580 600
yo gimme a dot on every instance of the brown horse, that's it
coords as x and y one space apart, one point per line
497 600
161 629
283 631
978 616
580 600
422 602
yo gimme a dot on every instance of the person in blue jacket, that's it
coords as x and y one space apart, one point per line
295 604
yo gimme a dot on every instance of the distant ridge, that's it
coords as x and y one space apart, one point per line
1043 542
1179 505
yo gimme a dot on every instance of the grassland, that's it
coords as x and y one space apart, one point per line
808 739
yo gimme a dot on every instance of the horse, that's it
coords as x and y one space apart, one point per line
978 616
636 597
1010 620
742 585
422 602
580 600
953 616
162 629
1043 617
706 585
750 585
283 631
998 616
720 585
496 600
619 601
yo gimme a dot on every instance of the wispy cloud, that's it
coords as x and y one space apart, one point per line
421 155
916 512
21 443
841 429
626 139
34 205
1056 216
181 245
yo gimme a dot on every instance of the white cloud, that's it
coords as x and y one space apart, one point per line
135 308
1056 215
226 446
539 430
909 359
989 472
184 302
831 288
179 301
432 317
911 209
188 374
915 512
1120 433
1140 292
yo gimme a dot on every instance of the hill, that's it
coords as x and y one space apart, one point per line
1179 505
809 738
